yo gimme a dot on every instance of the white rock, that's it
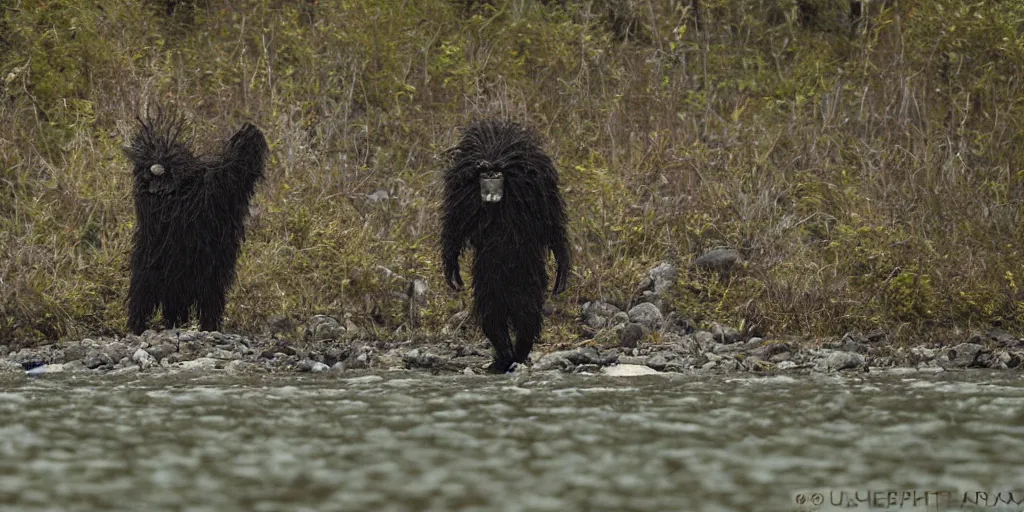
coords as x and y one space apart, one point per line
628 370
143 359
203 363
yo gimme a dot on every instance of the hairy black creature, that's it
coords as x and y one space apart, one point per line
501 197
190 221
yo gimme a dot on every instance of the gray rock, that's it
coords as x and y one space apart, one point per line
98 360
323 328
964 355
657 362
417 358
10 367
1010 359
620 318
308 365
238 366
664 276
359 359
923 354
162 350
202 364
587 368
683 345
730 365
839 360
731 349
724 334
631 335
144 359
704 339
658 281
127 370
219 353
721 260
647 315
565 360
786 365
596 314
632 360
668 362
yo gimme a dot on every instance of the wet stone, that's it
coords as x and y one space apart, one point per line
964 355
725 334
647 315
631 335
596 314
721 260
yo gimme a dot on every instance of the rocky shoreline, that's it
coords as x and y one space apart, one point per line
697 352
639 341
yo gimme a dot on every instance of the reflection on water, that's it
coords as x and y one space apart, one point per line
532 442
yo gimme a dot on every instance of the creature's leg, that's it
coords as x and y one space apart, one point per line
142 302
211 309
495 327
527 325
175 310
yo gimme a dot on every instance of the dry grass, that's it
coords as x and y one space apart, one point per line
872 180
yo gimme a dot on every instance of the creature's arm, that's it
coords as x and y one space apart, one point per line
454 229
452 241
242 162
559 245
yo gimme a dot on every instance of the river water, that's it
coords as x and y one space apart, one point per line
409 441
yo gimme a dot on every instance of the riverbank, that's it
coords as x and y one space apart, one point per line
698 352
646 335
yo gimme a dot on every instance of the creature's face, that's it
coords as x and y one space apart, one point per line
160 171
156 176
160 159
492 183
492 187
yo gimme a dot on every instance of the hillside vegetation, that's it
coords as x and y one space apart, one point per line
870 173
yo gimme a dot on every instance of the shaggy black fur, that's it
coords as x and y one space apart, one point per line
190 221
510 238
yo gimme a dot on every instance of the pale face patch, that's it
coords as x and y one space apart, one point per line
492 187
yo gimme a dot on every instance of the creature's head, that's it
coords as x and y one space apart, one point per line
497 156
159 159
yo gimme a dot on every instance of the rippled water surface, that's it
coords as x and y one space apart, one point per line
531 442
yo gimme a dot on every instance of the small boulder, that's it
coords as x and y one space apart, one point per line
724 334
964 355
308 365
839 360
596 314
628 370
647 315
144 359
324 328
721 260
631 335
